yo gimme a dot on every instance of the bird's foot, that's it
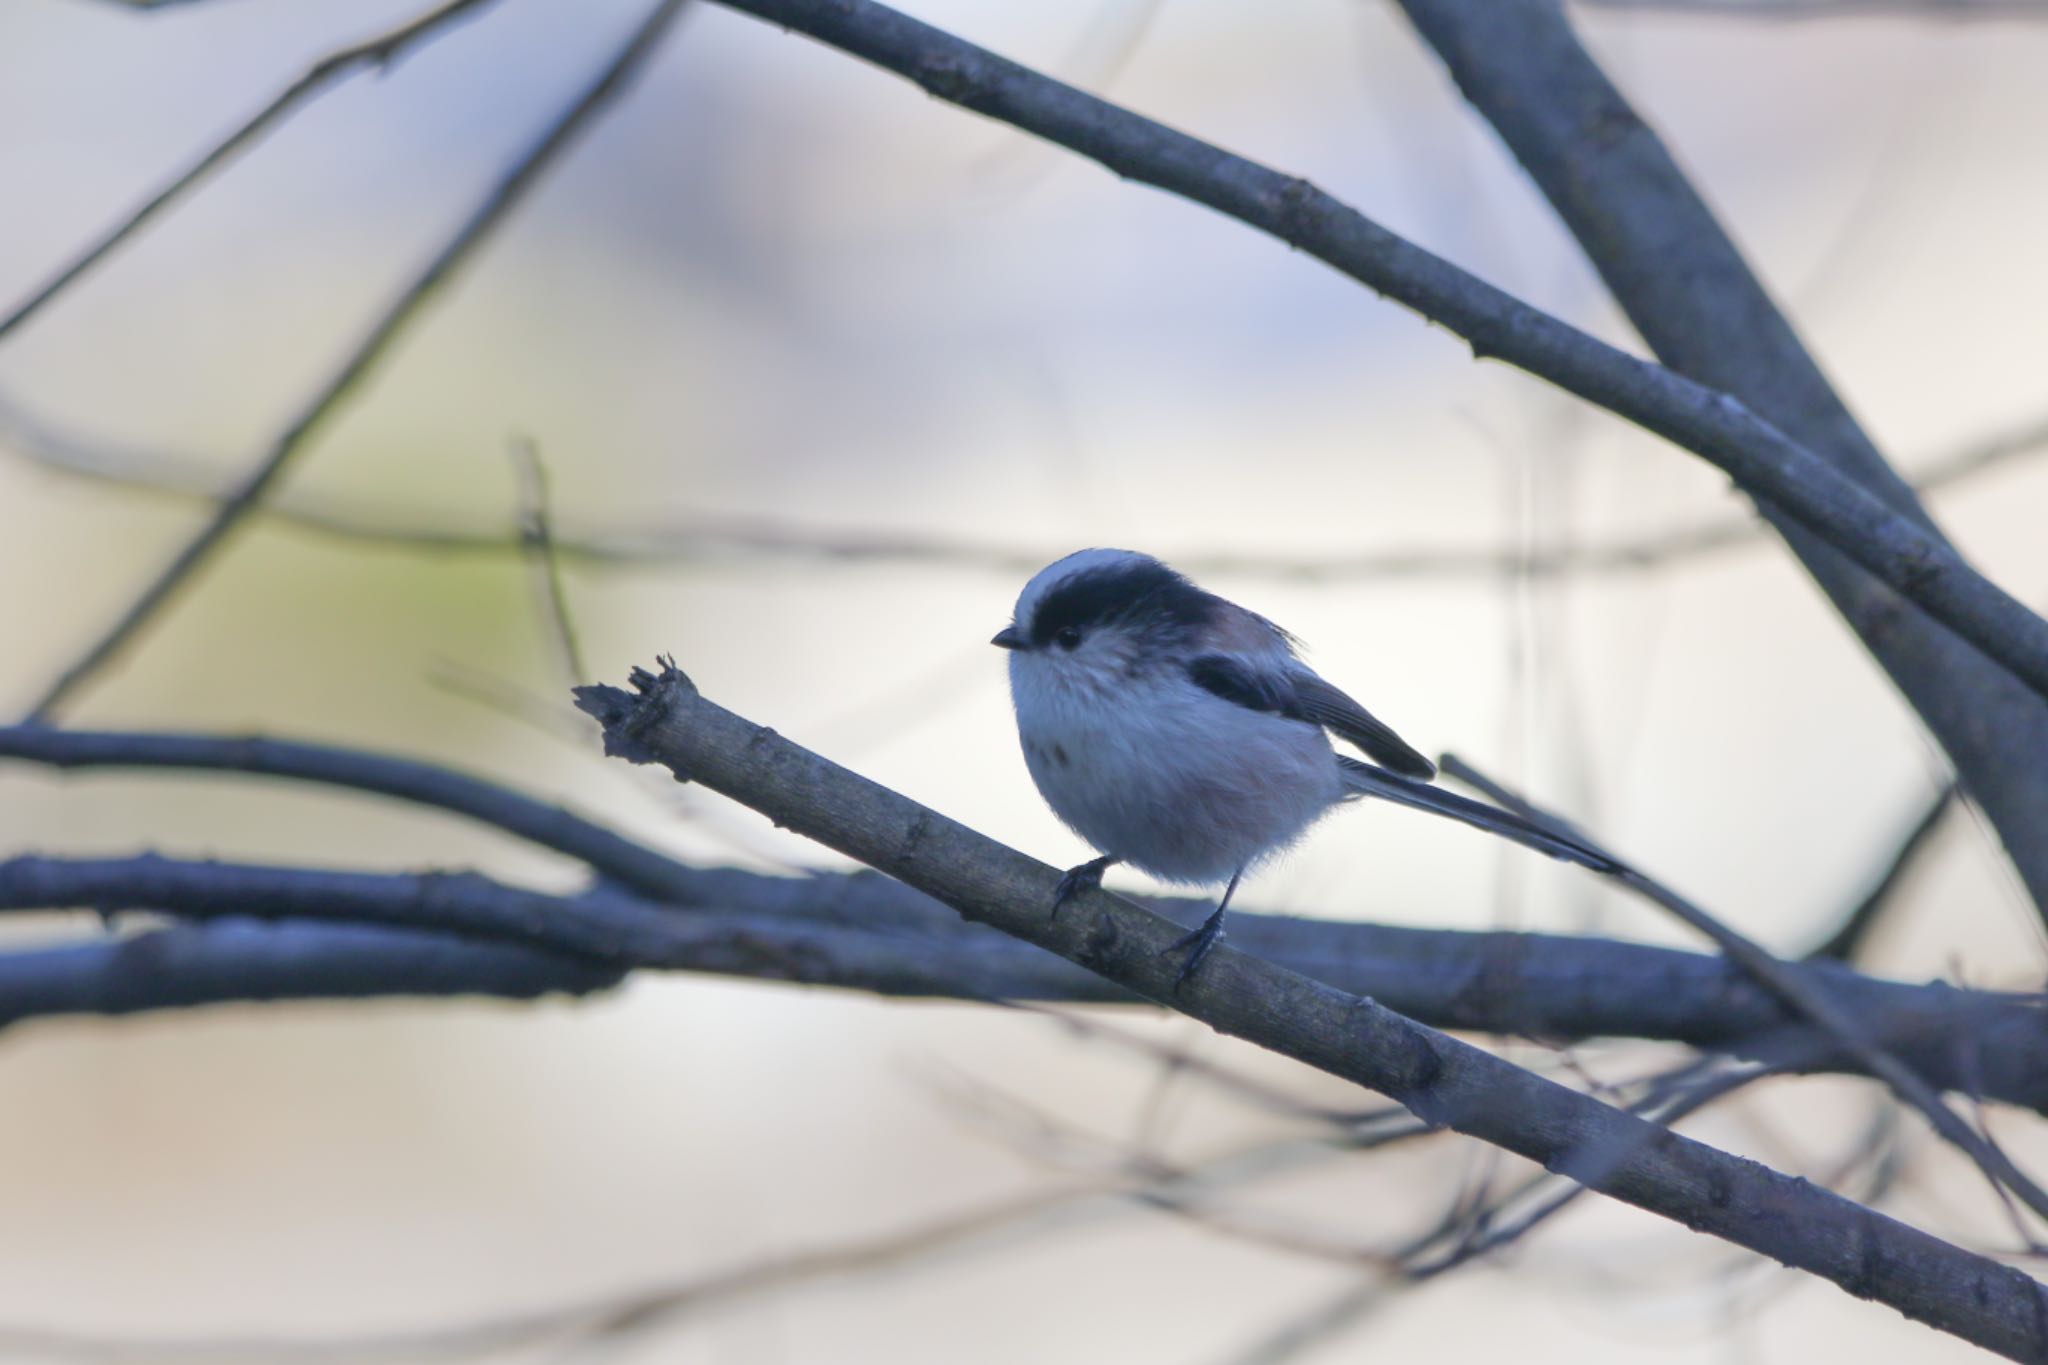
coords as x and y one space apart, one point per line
1198 943
1086 877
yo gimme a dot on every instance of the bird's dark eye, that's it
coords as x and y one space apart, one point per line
1069 637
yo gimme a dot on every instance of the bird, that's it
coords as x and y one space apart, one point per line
1183 735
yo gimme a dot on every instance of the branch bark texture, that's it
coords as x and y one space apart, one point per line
1444 1081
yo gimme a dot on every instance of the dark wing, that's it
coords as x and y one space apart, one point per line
1315 700
1304 696
1234 680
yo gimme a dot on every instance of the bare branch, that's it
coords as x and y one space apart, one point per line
1784 982
1442 1080
537 538
362 359
611 855
235 960
1759 456
871 934
1847 941
611 1316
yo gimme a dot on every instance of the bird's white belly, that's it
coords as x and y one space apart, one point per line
1185 788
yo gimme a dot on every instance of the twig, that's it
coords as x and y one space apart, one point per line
993 1224
403 779
1473 1233
611 1316
503 196
1777 977
1847 940
381 51
1250 1089
1763 459
537 538
1482 1233
1441 1079
715 538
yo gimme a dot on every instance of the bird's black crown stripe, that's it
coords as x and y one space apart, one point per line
1145 595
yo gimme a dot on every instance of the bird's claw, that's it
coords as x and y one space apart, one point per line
1199 943
1078 880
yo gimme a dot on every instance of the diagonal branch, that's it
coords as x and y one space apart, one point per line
1894 547
1687 289
1781 980
362 359
380 51
612 856
1442 1080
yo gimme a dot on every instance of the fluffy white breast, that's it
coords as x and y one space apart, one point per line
1145 765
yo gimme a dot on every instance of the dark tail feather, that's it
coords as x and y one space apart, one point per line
1366 780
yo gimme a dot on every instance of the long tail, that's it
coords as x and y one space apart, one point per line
1366 780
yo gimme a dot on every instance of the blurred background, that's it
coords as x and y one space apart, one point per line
777 302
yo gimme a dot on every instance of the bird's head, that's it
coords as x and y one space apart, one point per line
1100 615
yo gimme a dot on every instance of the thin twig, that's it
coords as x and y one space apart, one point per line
497 204
537 538
381 51
611 1316
1854 927
1778 977
714 538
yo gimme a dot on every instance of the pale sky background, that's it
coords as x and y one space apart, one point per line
775 285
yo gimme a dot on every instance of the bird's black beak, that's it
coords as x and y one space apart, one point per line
1008 638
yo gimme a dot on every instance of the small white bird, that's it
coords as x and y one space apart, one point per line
1179 733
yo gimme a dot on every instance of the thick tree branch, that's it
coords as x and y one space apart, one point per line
1761 458
611 856
1439 1078
504 195
1684 284
869 933
234 960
